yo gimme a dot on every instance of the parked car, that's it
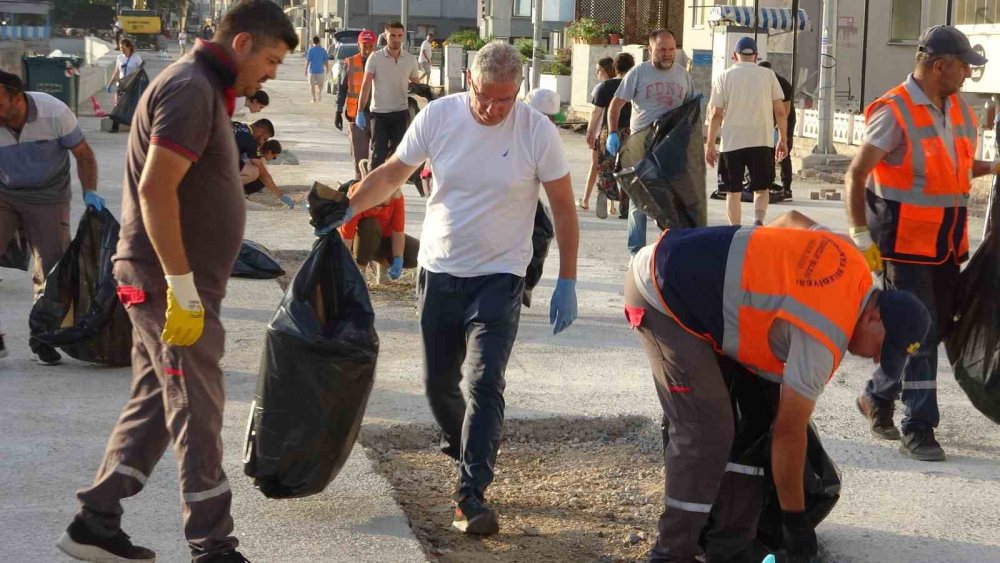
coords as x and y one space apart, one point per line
340 52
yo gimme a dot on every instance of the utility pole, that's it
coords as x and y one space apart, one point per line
827 79
404 11
536 42
347 14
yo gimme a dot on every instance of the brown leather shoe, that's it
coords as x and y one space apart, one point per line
879 418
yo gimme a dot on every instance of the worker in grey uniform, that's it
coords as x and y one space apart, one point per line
182 225
718 306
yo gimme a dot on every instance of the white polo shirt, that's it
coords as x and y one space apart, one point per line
481 211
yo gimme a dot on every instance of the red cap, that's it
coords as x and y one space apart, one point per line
367 37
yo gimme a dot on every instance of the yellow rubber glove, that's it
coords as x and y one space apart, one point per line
185 313
863 240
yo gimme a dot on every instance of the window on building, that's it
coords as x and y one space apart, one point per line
910 17
699 11
970 12
522 8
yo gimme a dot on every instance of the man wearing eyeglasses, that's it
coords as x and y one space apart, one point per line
37 134
490 153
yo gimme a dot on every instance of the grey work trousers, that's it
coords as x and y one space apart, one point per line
45 224
703 486
176 398
360 140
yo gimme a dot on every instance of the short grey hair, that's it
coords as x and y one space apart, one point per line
497 62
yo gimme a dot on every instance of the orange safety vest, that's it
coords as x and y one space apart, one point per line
921 216
815 280
354 66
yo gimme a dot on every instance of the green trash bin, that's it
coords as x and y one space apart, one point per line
58 76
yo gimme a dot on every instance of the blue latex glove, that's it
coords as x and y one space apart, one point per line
327 229
562 310
109 88
614 143
93 200
288 202
770 559
396 269
361 120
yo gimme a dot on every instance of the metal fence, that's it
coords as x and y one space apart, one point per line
635 18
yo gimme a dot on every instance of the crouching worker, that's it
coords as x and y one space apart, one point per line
255 176
378 237
787 315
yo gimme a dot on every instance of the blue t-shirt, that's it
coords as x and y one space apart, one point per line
317 57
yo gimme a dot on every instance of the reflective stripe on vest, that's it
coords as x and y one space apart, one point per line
811 279
927 176
354 66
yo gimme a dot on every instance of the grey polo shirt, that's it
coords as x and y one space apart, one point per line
392 79
885 132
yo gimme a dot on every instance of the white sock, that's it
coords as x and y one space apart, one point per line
760 200
733 209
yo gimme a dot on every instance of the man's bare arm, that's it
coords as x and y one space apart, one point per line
397 241
781 119
266 179
614 112
983 167
560 194
864 162
380 183
161 176
86 165
366 90
788 448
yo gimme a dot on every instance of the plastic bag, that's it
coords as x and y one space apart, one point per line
973 338
79 310
129 92
316 374
669 183
18 253
256 262
541 238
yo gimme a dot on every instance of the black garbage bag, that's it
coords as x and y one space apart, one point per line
973 338
669 183
541 238
129 92
79 310
256 262
316 373
18 253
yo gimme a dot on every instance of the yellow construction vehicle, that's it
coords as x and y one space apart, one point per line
142 25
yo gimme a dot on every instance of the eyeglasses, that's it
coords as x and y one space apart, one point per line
487 101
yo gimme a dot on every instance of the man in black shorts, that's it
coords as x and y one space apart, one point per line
746 103
789 101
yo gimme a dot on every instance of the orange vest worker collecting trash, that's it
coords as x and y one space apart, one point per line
182 225
777 307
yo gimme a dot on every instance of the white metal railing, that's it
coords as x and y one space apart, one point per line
988 145
843 125
810 124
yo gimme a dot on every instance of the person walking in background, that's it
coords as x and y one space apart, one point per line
605 93
746 102
388 74
182 225
182 40
317 65
348 93
37 135
789 101
605 69
654 87
126 64
909 183
426 49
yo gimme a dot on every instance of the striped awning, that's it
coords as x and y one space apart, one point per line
777 19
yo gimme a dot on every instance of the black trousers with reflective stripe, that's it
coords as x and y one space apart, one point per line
705 482
176 398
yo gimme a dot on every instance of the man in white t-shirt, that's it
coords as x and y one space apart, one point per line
182 40
747 103
490 152
425 57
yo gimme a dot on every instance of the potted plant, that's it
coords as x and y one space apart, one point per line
613 35
587 30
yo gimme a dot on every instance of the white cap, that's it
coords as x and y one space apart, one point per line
543 100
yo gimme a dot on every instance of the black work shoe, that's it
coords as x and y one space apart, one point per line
80 543
879 417
788 193
3 348
922 446
44 354
227 557
474 517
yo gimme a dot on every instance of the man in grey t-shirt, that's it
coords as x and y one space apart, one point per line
654 87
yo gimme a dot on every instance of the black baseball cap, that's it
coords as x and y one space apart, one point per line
11 81
907 324
947 40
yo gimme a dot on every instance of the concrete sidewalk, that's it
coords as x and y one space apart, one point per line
57 419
